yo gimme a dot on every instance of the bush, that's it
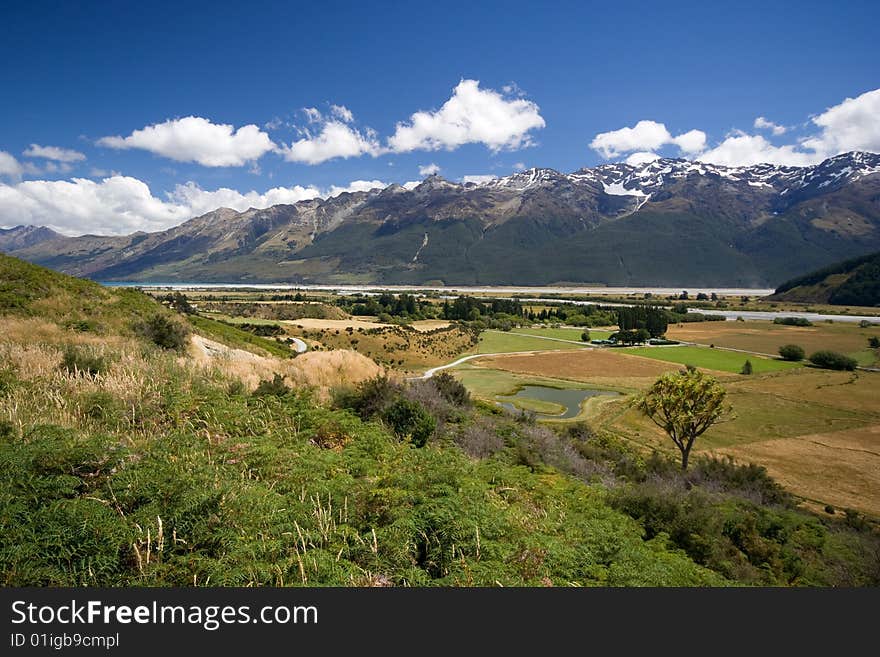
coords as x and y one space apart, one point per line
793 321
164 332
409 418
276 387
791 352
80 360
451 389
585 336
832 360
746 368
874 342
370 398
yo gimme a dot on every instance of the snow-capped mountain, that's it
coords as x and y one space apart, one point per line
665 222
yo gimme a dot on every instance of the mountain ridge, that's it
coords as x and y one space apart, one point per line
665 222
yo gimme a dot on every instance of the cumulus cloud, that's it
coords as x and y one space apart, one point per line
357 186
478 179
641 157
428 169
851 125
471 116
115 205
54 153
118 205
198 201
740 149
646 136
763 124
342 113
9 166
334 137
195 139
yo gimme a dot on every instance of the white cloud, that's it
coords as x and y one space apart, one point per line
478 179
471 115
357 186
199 201
9 166
115 205
763 124
428 169
690 142
853 125
335 138
519 166
646 136
119 205
54 153
641 157
313 115
342 113
740 150
195 139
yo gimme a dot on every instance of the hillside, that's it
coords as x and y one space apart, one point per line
854 282
157 466
667 222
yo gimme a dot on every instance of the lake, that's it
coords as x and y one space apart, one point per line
570 399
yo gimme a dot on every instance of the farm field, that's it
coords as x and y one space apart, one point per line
814 430
584 366
564 333
767 337
502 342
713 359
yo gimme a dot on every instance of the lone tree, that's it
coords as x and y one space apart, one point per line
684 404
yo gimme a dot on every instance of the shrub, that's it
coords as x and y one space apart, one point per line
829 509
832 360
585 336
370 398
80 360
746 368
164 332
452 389
409 418
793 321
276 387
874 342
791 352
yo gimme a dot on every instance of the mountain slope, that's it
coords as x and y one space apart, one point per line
667 222
854 282
22 237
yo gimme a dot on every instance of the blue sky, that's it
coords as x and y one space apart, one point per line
527 85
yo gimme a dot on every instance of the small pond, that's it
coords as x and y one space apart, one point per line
570 399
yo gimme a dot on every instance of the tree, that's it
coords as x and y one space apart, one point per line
684 404
409 418
791 352
585 336
832 360
874 342
746 368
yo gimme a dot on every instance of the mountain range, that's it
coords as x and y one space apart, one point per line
668 222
